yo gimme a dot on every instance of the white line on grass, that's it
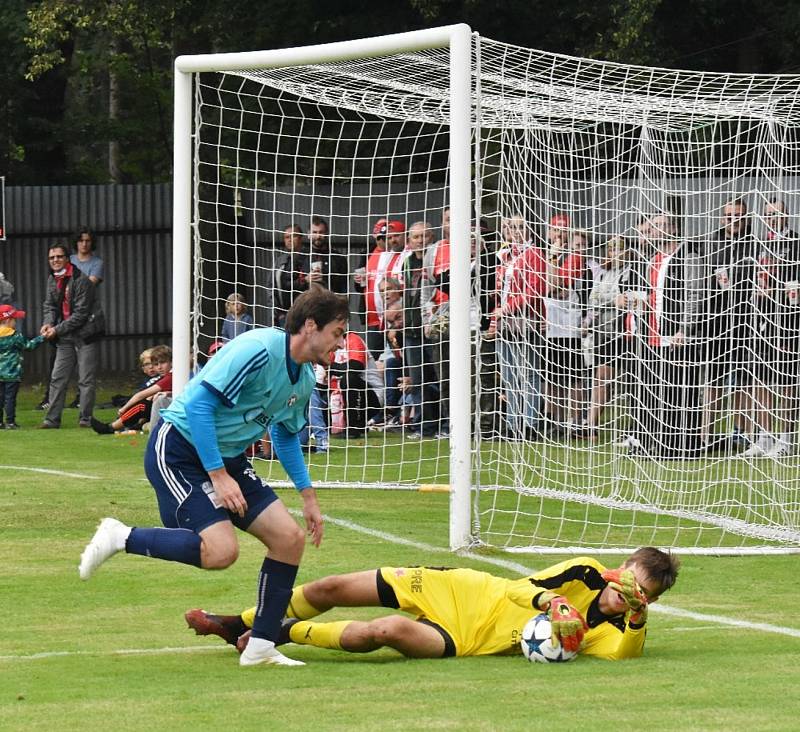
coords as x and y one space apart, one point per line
121 652
50 472
391 538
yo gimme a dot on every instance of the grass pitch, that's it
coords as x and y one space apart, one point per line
114 652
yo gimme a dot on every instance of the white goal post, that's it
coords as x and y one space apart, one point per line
458 39
569 401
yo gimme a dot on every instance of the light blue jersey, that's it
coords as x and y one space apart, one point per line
258 385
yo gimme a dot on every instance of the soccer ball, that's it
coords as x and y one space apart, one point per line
536 643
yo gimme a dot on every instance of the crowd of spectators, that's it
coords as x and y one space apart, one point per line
699 337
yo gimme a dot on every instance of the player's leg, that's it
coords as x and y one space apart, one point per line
285 541
357 589
59 380
87 355
198 531
411 638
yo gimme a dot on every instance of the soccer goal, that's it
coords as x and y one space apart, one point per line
606 355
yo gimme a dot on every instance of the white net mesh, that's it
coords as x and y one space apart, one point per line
635 316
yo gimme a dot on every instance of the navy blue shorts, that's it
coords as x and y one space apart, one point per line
186 498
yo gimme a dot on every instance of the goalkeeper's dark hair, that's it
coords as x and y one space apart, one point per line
319 304
660 567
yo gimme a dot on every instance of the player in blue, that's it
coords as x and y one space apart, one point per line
261 380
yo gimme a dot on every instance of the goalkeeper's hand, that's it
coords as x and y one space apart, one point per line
637 618
624 582
567 624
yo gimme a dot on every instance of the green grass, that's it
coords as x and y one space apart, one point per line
697 674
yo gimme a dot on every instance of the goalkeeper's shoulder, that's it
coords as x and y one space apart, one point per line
569 568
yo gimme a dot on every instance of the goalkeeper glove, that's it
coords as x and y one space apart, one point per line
567 624
624 582
637 618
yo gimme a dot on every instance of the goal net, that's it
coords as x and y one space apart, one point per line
607 354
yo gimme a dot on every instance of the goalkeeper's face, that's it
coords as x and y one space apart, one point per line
616 601
323 342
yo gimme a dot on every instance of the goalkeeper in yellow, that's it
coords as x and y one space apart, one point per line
463 612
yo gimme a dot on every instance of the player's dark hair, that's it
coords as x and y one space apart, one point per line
63 247
319 221
84 230
660 567
319 304
160 354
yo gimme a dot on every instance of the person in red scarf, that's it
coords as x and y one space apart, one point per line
74 321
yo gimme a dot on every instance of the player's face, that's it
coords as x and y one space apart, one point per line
162 367
733 219
84 244
148 368
57 259
515 230
616 602
446 224
395 242
292 240
774 218
324 342
416 238
578 243
317 235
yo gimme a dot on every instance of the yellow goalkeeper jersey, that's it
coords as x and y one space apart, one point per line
484 614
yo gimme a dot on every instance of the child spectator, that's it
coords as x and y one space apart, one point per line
237 319
137 410
12 343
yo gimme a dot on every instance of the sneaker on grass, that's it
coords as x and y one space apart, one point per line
760 448
101 427
109 539
262 651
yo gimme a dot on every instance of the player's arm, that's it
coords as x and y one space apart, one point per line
568 624
140 396
28 345
200 409
290 454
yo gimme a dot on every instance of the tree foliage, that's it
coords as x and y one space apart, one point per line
81 75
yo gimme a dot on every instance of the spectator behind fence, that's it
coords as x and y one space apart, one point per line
12 344
138 409
517 324
237 319
777 342
351 371
290 272
730 260
6 291
417 353
670 418
563 365
391 360
74 320
85 259
607 324
326 267
93 267
389 242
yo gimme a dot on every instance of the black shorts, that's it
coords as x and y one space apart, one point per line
771 367
612 351
563 361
